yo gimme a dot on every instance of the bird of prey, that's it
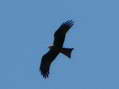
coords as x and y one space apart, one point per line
56 48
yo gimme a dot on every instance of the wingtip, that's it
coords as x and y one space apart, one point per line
45 75
69 22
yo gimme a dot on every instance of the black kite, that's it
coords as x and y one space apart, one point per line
57 48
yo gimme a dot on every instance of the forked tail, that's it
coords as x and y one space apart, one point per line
67 51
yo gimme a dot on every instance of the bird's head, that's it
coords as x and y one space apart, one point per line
51 46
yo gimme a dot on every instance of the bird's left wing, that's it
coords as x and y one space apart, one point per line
46 61
59 35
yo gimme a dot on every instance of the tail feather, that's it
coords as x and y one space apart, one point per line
67 51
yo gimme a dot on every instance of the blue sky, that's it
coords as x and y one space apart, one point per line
26 30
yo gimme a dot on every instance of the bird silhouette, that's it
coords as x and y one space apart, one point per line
56 48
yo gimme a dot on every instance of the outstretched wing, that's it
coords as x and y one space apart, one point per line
59 35
46 61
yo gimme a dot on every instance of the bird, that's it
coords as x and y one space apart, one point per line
56 48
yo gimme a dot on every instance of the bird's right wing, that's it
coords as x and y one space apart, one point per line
46 61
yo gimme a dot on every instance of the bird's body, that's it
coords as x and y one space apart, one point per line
56 48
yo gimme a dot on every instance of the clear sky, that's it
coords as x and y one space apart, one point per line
26 30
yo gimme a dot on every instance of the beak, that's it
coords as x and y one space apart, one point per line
50 47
